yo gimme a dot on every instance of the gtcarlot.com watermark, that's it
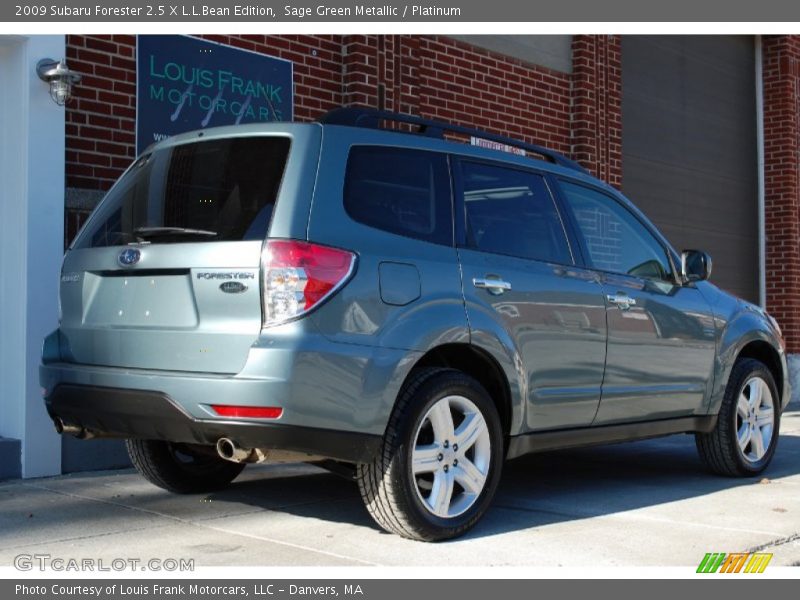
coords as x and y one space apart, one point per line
45 562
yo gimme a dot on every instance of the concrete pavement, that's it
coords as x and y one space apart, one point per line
640 504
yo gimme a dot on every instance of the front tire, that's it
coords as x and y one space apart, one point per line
180 469
440 461
744 439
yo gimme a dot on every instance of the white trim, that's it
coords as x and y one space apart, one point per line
32 245
762 231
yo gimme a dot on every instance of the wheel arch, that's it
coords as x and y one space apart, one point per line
480 365
748 337
765 353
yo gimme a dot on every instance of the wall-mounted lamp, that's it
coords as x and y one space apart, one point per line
60 78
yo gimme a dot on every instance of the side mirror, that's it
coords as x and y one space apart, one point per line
695 265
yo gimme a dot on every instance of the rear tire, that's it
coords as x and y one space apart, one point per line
746 434
180 469
421 485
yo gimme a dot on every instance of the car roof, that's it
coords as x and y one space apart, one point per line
387 137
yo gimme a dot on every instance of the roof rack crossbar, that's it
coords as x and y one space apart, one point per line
371 118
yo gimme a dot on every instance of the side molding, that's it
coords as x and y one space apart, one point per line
591 436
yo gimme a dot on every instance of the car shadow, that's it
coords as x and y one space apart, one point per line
535 490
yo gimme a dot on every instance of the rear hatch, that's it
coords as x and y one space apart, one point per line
166 273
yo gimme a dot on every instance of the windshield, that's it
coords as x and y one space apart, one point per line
215 190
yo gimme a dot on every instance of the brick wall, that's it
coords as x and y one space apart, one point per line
101 117
441 78
781 59
463 84
596 124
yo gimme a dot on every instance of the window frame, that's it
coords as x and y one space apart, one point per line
669 252
456 164
449 193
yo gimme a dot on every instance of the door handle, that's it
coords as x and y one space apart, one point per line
622 300
495 286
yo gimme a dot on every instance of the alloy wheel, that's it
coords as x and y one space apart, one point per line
755 419
451 456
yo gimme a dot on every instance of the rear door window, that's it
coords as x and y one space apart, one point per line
399 190
213 190
511 212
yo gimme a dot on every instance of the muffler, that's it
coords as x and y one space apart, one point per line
66 428
230 450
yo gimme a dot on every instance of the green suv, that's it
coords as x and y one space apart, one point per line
371 294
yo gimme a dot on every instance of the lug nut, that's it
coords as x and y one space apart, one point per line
446 468
440 457
455 447
446 444
455 462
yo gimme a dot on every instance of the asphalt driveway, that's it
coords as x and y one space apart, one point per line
638 504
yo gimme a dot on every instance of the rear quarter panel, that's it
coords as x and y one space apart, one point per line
430 309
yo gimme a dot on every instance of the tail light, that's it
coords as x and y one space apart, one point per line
297 276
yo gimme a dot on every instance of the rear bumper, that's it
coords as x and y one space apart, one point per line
319 384
153 415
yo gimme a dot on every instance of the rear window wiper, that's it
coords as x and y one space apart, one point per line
149 232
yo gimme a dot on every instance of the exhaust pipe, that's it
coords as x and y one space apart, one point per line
66 428
230 450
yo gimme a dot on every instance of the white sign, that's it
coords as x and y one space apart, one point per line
492 145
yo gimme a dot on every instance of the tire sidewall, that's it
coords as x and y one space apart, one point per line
201 466
455 384
753 369
155 460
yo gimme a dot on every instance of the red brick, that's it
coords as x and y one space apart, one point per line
781 55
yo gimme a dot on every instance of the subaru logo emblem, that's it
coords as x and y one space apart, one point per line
129 257
233 287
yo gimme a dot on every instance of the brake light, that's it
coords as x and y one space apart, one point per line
251 412
297 276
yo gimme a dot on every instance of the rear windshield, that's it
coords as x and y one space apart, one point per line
215 190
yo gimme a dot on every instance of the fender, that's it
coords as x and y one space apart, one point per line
744 325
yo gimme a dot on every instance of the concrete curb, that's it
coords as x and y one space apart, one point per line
10 458
794 380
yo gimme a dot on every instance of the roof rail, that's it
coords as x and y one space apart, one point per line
368 117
